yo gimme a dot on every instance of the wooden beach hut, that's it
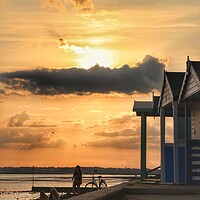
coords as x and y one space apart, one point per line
172 155
165 105
144 109
190 96
179 99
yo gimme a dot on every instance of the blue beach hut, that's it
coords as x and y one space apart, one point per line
172 155
190 96
179 99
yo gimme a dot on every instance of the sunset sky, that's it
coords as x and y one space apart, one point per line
71 69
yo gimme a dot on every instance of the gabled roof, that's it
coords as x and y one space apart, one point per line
196 67
193 67
173 80
144 107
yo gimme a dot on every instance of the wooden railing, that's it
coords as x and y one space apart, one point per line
152 170
194 162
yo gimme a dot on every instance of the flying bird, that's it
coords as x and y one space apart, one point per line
52 132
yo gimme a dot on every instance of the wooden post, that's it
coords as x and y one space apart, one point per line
187 178
143 146
33 176
162 144
176 142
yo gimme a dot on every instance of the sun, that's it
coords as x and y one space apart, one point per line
97 56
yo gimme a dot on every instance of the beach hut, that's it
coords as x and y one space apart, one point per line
144 109
179 99
172 154
190 96
165 105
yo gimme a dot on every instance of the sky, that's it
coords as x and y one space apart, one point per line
70 71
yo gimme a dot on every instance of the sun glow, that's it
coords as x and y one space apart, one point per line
97 56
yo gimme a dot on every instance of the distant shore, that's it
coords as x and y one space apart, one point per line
67 170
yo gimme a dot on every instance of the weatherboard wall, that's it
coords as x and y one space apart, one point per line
166 97
195 116
192 86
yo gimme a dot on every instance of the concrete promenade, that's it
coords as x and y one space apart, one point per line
137 190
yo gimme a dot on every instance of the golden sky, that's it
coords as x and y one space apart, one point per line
71 69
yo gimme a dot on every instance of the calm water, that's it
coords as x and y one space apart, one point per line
18 186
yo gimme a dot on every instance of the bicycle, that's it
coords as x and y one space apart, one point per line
93 184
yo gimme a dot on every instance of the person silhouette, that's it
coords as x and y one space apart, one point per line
77 180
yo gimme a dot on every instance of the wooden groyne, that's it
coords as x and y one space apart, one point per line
61 189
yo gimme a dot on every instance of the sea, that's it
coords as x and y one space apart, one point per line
19 186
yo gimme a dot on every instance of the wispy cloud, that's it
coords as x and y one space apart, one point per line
84 4
119 143
26 139
123 133
18 119
64 5
25 120
62 43
75 123
119 137
144 77
125 139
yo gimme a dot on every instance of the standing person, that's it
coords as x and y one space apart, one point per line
77 179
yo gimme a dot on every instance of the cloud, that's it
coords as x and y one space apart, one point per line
123 133
128 138
59 5
51 108
85 5
27 138
118 141
23 119
120 120
2 91
75 122
112 124
62 43
18 119
116 122
65 5
144 77
124 139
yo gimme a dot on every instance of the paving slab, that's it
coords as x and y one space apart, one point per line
161 197
136 190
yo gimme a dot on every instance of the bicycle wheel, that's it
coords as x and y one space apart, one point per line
103 184
90 187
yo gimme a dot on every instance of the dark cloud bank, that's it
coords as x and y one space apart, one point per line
143 78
